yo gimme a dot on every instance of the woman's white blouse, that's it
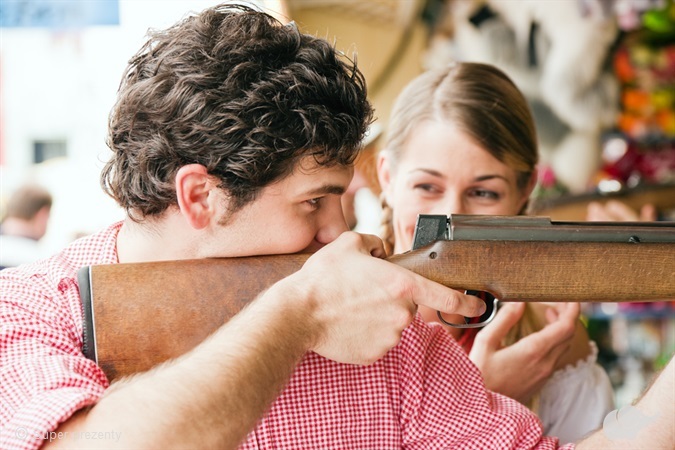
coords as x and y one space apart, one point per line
576 399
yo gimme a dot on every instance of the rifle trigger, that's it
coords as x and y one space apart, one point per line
491 304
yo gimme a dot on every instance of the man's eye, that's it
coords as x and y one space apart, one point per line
314 202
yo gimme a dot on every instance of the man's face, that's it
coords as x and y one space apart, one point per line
298 214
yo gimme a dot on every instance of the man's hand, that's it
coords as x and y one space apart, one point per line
363 303
616 211
522 368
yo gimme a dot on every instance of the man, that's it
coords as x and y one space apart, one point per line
24 224
233 135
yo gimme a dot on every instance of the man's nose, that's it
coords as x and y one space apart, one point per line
332 223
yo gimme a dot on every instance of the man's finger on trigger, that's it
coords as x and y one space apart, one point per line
446 300
471 306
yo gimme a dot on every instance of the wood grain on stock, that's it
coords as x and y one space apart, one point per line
148 313
551 271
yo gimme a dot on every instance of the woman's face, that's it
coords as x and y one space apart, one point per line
443 171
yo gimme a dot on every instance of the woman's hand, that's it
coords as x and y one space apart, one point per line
520 370
616 211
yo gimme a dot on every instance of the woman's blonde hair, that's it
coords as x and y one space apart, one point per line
529 323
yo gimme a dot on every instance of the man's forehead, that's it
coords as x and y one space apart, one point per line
310 178
327 180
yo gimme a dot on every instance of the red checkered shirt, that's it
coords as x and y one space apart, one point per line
424 394
44 378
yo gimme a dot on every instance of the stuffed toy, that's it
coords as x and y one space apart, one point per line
558 52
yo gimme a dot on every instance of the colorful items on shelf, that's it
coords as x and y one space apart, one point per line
643 150
641 147
647 75
629 162
548 186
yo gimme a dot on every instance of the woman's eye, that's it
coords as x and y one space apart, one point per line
427 187
482 193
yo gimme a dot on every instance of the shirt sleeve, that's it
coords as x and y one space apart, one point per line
576 399
446 405
44 377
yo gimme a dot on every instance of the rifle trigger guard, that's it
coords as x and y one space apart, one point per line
487 317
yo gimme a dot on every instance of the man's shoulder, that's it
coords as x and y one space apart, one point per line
96 248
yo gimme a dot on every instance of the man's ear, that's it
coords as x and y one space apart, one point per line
193 187
384 175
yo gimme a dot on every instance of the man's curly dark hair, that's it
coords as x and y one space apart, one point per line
238 92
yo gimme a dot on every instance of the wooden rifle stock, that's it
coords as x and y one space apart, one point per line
139 315
142 314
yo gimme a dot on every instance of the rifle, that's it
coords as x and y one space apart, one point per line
138 315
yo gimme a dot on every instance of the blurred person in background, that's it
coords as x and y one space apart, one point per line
24 224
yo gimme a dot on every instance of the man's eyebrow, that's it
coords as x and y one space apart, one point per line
327 189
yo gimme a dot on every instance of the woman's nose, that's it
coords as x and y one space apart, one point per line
450 204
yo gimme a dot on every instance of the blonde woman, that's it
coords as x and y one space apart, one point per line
462 140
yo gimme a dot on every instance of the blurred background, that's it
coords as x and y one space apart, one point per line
599 75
